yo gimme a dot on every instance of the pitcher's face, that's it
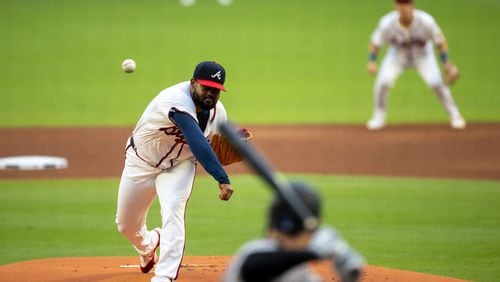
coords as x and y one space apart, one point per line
204 97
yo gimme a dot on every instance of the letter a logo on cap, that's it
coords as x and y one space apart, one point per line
217 74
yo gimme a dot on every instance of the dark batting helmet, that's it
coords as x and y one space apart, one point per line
283 218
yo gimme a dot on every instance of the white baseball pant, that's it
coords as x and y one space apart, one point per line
139 185
395 62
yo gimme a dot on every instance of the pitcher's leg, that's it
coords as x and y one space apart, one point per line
174 189
135 197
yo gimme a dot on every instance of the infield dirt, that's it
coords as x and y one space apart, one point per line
410 150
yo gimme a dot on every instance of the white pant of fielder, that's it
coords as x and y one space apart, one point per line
139 185
393 64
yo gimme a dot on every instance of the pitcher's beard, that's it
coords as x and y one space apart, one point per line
205 106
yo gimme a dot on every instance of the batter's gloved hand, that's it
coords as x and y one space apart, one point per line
224 151
326 243
451 73
349 266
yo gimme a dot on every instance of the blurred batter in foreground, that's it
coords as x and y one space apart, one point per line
284 253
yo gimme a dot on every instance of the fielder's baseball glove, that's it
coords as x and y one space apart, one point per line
225 151
451 73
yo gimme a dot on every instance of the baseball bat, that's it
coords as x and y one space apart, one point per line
274 178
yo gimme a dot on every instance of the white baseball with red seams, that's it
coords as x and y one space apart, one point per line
161 163
129 66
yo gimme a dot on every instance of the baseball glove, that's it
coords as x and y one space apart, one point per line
451 73
224 151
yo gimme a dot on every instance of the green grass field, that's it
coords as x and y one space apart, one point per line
444 227
61 59
288 61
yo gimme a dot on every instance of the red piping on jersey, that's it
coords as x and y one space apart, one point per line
132 145
173 131
169 152
213 117
178 154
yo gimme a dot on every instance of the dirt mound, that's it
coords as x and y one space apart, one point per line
197 268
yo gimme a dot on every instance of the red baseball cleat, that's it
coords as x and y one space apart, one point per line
149 260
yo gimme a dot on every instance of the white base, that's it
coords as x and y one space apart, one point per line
33 163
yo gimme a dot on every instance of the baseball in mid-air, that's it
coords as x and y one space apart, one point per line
128 66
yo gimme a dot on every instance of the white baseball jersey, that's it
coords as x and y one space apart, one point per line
161 164
159 142
423 32
409 47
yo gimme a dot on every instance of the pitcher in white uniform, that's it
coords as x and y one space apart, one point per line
161 155
411 35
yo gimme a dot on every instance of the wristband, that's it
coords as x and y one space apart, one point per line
372 57
444 57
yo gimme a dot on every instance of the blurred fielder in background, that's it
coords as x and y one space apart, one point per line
187 3
284 253
411 35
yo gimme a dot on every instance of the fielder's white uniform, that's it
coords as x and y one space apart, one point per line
161 163
409 48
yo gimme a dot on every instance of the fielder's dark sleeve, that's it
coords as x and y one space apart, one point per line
199 145
265 266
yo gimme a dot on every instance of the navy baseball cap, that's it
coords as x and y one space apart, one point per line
211 74
404 1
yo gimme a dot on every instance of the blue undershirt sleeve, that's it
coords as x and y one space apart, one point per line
199 145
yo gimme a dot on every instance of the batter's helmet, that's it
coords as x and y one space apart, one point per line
283 218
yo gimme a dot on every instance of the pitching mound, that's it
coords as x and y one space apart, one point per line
195 268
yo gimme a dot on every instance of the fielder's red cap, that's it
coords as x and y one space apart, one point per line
211 74
404 1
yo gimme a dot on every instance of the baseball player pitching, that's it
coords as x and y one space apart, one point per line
161 154
411 35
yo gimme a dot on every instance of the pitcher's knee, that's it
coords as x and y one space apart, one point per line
121 228
126 229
